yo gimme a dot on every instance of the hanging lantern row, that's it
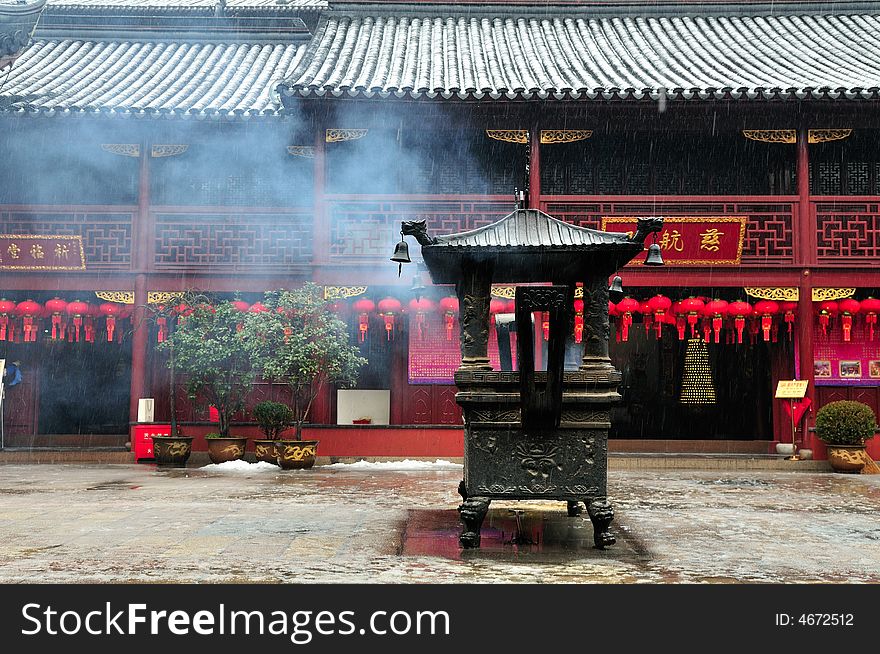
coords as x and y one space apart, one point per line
704 315
69 321
847 310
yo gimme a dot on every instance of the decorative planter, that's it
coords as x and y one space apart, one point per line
172 451
222 450
786 449
846 458
292 455
264 450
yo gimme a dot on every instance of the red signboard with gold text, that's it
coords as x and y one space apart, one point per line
41 252
690 241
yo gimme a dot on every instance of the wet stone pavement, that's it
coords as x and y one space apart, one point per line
134 523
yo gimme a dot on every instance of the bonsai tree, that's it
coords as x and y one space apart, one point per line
301 342
845 423
273 418
209 347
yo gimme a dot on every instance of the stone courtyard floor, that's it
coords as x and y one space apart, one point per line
133 523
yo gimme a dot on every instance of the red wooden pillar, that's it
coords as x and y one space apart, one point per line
805 256
806 227
138 345
534 166
805 338
321 225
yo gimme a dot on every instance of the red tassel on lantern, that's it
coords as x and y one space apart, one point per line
716 310
449 305
693 307
388 308
738 311
6 307
364 307
578 320
625 308
870 307
848 307
56 307
77 310
827 311
765 309
420 308
112 312
29 312
788 312
659 305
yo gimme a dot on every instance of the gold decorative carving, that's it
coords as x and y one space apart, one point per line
342 292
771 135
509 135
578 292
298 452
565 135
120 297
505 292
826 135
784 293
337 135
122 149
821 294
307 151
163 297
167 150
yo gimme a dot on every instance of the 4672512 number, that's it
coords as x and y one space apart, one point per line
815 620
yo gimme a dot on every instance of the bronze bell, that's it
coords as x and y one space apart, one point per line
654 258
401 254
417 288
615 291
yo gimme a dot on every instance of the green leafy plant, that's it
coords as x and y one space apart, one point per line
845 423
301 342
210 348
273 418
213 434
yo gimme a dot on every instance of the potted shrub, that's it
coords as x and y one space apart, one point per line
209 347
844 426
273 418
301 342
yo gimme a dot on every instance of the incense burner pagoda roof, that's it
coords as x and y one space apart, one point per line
124 78
18 18
686 52
529 245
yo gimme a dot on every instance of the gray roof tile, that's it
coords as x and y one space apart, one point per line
574 55
127 78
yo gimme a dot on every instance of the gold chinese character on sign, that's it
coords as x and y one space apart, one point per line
711 239
37 252
14 251
62 251
671 241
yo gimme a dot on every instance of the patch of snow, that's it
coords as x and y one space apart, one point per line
406 464
241 466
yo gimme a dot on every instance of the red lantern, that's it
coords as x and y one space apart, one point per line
56 308
626 307
716 310
364 307
870 307
765 309
692 307
848 307
449 306
112 312
787 309
827 311
77 310
578 320
7 307
739 310
659 305
387 309
421 307
29 312
241 306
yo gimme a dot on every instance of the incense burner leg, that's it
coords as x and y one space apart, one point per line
462 490
601 514
574 509
472 512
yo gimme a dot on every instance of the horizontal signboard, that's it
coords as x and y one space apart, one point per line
41 252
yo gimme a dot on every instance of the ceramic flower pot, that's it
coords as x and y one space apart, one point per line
172 451
264 450
846 458
222 450
292 455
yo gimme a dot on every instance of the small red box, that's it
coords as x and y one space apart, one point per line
143 439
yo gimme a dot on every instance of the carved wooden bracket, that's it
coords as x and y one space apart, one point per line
827 135
565 135
821 294
509 135
122 149
307 151
771 135
339 135
167 149
342 292
785 293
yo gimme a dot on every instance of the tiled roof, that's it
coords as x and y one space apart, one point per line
125 78
183 5
569 54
